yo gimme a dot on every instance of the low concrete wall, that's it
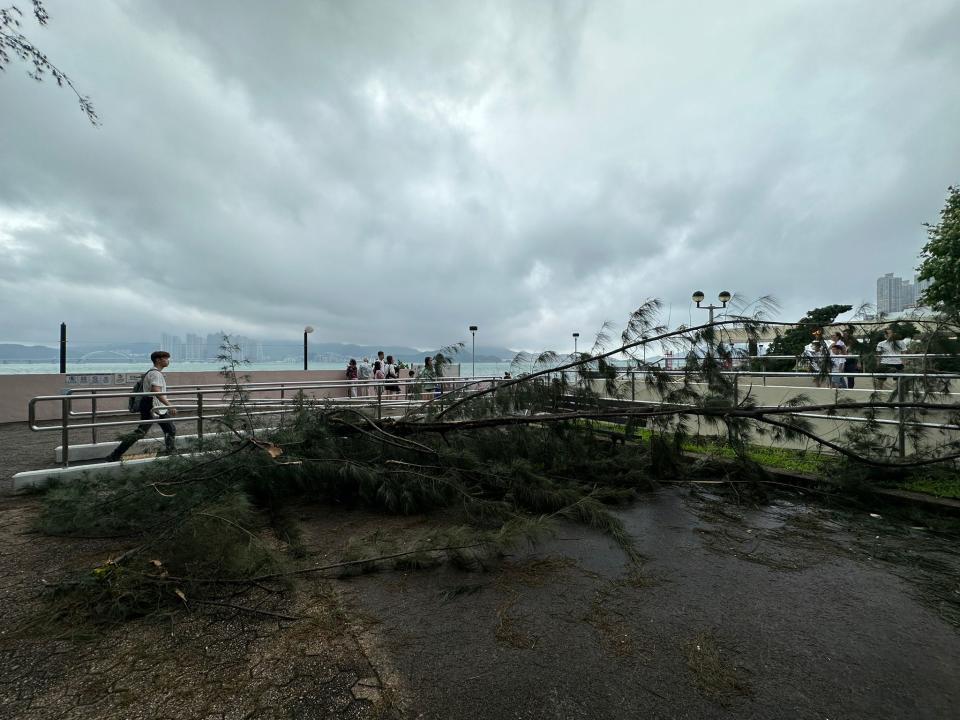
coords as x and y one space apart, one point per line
829 428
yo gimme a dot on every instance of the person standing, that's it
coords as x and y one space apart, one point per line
352 374
813 356
837 362
364 373
391 372
889 350
428 375
853 359
152 408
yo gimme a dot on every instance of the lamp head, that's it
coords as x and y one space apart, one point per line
576 335
724 297
698 296
473 328
308 329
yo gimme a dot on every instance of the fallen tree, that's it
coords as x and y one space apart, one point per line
504 464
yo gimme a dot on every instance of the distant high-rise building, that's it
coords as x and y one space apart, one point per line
173 345
895 294
214 340
889 289
195 349
908 295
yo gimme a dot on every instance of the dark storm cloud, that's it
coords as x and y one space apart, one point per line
396 171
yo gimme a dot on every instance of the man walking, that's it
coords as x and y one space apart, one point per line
152 408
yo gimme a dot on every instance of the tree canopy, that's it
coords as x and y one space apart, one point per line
941 256
796 338
14 44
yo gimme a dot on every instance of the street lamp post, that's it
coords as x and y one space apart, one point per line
723 297
473 348
306 331
575 336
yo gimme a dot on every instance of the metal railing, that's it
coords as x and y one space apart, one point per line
900 389
387 395
209 401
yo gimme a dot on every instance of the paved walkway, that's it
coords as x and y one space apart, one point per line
790 610
22 449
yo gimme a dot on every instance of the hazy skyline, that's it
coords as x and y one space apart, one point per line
393 172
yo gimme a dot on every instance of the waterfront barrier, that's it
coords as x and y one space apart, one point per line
204 405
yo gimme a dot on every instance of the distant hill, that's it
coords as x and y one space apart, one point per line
273 350
26 353
345 351
92 352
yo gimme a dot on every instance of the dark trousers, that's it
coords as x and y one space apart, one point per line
852 366
146 413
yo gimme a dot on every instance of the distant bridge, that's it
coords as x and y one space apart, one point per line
115 354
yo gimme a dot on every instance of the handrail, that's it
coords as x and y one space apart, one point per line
382 388
205 411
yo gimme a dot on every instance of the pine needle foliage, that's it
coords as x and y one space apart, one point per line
502 464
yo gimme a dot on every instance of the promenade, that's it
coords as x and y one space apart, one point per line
790 610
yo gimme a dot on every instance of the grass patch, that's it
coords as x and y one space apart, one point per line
773 457
941 485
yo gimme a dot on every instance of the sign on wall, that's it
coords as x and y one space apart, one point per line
102 379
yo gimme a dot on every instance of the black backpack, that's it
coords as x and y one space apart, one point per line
134 402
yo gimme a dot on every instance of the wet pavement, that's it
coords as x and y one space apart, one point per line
790 611
793 609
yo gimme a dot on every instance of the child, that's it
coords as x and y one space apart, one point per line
837 362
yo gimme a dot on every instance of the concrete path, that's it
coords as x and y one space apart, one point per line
794 610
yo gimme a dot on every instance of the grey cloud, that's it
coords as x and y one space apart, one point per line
394 172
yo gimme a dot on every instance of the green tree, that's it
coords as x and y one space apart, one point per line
14 44
941 256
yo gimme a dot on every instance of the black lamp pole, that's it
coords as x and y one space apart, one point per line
306 331
473 348
63 348
575 336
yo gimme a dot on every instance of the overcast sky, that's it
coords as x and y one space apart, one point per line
391 172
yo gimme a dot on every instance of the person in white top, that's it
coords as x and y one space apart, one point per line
152 407
813 355
837 362
364 373
889 351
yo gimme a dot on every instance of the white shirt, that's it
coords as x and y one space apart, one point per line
154 377
890 352
813 356
364 371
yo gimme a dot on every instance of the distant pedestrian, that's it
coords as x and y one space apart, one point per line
428 372
352 376
837 339
152 408
853 359
889 349
428 375
813 357
364 373
837 362
391 372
